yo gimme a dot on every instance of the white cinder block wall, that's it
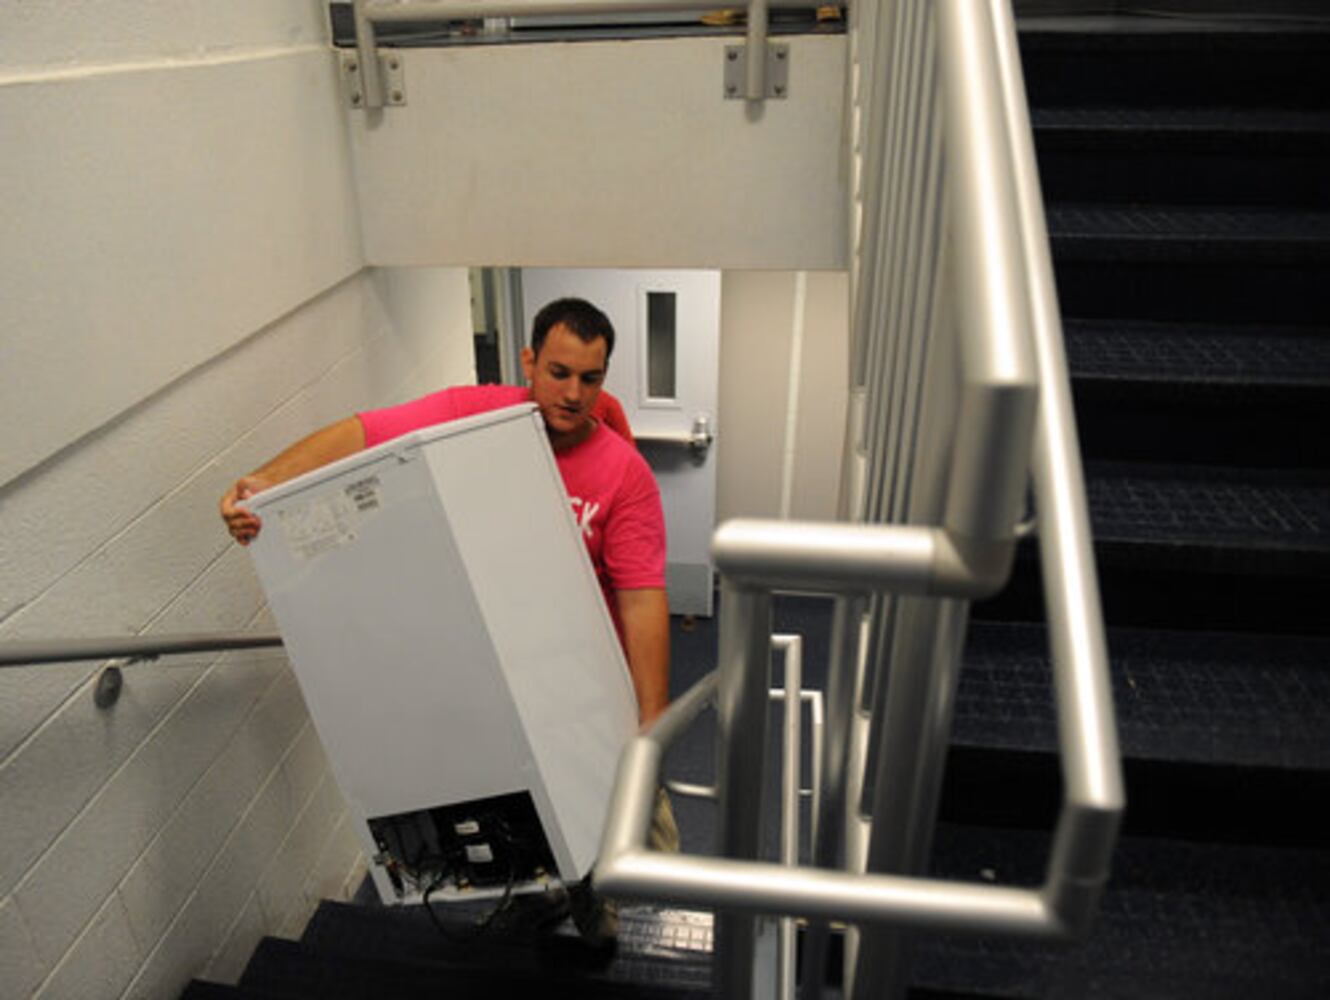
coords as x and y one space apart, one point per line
184 293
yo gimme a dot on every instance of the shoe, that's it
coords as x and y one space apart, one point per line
531 913
595 917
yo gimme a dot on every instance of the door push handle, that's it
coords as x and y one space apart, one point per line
697 440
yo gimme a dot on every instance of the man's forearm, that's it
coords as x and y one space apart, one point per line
645 616
346 437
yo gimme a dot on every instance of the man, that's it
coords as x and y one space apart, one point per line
614 496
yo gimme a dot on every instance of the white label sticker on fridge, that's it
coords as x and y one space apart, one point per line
319 525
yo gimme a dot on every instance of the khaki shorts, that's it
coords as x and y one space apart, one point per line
664 832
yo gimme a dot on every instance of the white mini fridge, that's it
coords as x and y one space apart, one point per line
461 668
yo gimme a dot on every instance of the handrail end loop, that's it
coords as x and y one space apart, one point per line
1071 906
969 567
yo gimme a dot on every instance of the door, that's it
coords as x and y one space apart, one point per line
665 372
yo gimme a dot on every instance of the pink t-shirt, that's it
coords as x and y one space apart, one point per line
614 496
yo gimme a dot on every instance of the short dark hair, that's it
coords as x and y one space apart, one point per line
580 316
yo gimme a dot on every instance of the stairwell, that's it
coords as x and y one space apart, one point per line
1186 170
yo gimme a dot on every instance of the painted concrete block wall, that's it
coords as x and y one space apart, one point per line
185 293
104 200
605 154
784 346
206 779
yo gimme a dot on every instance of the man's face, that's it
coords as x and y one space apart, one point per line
565 379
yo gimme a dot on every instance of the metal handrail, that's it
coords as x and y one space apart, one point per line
368 15
416 11
786 950
793 696
1057 909
1094 796
814 700
130 647
626 867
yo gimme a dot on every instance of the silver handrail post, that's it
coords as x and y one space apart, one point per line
912 734
792 648
828 820
744 670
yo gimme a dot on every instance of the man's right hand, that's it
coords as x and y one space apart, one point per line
335 441
243 524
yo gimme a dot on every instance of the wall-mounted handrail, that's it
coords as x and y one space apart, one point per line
416 11
129 647
368 16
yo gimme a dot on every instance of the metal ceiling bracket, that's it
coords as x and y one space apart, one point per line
392 73
777 75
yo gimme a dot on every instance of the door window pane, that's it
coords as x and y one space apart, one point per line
660 345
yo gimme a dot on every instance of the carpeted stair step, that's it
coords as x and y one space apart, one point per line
1197 548
200 989
1177 920
1219 734
1222 735
1187 355
280 966
1212 519
1196 393
1193 264
668 949
1184 156
1146 61
1195 697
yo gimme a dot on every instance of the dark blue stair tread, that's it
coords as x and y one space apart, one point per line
1122 33
1180 62
656 945
1199 697
1177 919
1142 350
1208 506
201 989
1152 233
287 966
1153 124
1247 874
1242 120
